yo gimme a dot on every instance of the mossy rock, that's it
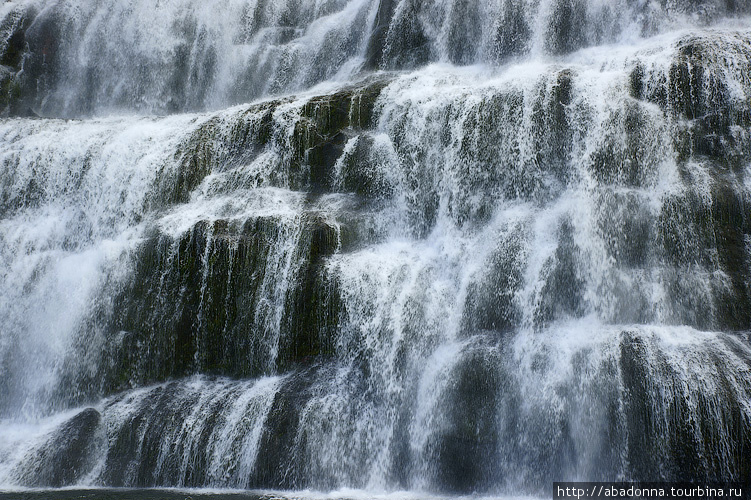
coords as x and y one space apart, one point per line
124 450
322 127
196 303
374 52
553 135
694 86
13 50
219 144
631 150
364 170
10 94
731 224
674 435
326 124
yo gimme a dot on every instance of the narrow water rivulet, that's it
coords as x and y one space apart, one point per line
441 246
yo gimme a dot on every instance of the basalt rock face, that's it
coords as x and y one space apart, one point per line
242 289
198 301
447 278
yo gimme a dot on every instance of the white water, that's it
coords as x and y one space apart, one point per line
117 56
528 265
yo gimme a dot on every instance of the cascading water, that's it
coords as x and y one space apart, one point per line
485 246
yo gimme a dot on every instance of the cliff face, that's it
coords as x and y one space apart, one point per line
429 274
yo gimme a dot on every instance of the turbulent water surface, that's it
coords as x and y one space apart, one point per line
445 247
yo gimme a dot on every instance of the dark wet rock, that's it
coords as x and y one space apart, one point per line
10 92
491 299
206 302
464 34
673 435
279 464
312 317
407 46
472 431
512 38
631 151
695 86
568 23
65 457
326 124
627 227
363 170
712 233
374 53
644 438
731 221
322 128
13 50
562 295
136 456
41 64
636 82
123 454
219 144
555 133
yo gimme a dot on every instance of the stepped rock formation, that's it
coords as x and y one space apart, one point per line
444 246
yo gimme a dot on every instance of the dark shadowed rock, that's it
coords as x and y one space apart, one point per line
65 457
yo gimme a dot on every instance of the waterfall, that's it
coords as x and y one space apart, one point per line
445 247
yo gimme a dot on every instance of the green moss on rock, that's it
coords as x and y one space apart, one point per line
200 303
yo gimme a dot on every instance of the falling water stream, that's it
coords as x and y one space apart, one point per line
374 246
